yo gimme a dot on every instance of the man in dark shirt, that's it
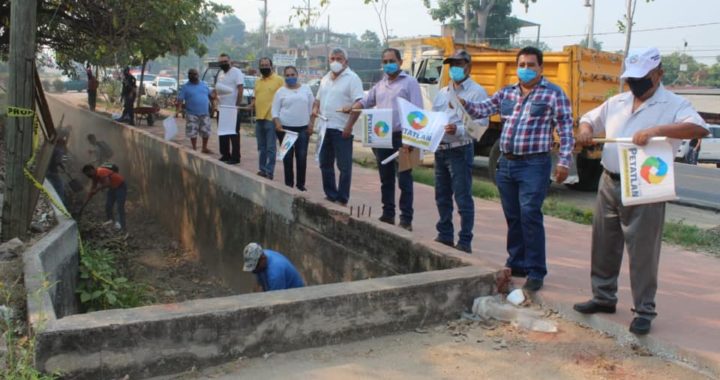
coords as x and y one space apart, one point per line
128 94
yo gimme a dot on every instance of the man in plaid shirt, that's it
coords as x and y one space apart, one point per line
530 110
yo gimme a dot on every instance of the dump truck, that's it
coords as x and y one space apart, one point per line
587 76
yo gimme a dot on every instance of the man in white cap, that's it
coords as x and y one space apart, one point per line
648 110
273 271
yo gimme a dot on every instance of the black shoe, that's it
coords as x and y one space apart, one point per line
224 158
533 284
268 176
329 199
590 307
261 173
464 248
387 219
640 326
232 162
446 242
517 272
301 188
406 225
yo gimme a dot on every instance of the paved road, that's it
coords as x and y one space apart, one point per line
697 185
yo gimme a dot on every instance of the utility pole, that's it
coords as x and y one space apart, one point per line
264 41
466 15
18 132
591 24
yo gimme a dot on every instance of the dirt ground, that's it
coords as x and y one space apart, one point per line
461 350
172 274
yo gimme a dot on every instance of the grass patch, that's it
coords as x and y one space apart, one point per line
692 237
567 211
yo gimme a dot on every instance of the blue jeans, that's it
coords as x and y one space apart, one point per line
118 196
266 146
298 152
387 179
523 185
453 176
335 148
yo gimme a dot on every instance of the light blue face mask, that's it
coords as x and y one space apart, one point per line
457 73
390 68
525 74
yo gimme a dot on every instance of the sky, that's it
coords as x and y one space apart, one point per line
408 18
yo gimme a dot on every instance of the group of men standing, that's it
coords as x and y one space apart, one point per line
532 110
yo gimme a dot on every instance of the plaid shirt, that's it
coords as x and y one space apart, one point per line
528 122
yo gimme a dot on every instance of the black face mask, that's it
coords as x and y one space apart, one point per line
639 87
265 71
225 67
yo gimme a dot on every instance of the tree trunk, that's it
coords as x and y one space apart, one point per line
628 34
19 130
141 85
482 15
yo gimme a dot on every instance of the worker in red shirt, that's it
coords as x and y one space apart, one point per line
108 178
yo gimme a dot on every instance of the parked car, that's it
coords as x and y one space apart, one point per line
161 86
147 79
710 147
78 85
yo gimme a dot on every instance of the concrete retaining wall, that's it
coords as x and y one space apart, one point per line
216 211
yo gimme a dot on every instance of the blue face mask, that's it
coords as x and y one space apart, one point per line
526 75
291 81
390 68
457 73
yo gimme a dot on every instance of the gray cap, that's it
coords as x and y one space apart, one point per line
459 55
252 254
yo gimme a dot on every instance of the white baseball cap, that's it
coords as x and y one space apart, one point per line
252 254
640 62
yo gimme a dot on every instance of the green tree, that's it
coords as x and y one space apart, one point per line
597 45
672 66
523 43
370 41
491 18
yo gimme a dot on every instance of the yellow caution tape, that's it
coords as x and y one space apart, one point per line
19 112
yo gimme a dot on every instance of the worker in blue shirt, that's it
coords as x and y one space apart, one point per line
273 271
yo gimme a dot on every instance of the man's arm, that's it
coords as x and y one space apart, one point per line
684 130
564 122
485 108
239 96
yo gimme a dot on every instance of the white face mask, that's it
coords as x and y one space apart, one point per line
336 66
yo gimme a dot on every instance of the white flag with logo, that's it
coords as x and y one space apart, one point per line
227 120
421 129
287 143
376 127
647 174
170 127
320 139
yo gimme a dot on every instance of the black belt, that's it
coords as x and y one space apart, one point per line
515 157
614 176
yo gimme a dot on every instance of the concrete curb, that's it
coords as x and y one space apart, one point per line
698 204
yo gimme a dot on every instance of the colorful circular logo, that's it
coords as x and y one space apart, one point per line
653 170
417 120
381 129
287 144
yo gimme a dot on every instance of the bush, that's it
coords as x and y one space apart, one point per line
111 89
59 85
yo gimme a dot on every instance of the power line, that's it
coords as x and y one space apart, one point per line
619 32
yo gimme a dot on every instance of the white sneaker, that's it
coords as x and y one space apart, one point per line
118 226
108 222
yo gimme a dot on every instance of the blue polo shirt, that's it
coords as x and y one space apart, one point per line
196 98
279 273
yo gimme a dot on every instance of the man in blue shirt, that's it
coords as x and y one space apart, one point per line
273 271
196 98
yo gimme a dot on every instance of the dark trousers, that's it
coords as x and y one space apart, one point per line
57 183
335 148
230 144
129 111
453 177
116 196
388 172
92 99
297 153
523 186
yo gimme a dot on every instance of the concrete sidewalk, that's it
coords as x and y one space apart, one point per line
688 300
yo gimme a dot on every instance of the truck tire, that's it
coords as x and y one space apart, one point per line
589 171
493 159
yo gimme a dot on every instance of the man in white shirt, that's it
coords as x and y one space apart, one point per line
340 88
232 79
648 110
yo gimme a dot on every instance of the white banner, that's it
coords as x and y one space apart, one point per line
647 174
170 127
227 119
421 129
320 139
287 143
376 126
473 128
